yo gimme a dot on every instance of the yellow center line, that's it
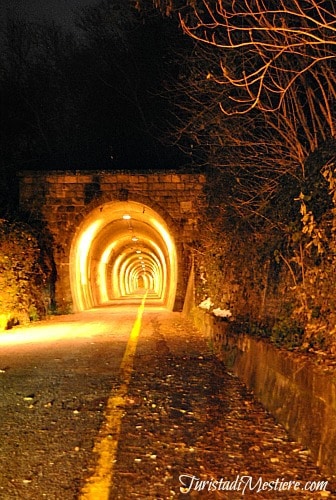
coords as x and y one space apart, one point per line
98 485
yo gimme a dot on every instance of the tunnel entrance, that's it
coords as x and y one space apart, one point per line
119 250
95 258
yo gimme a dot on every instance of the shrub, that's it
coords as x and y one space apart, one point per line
288 333
22 278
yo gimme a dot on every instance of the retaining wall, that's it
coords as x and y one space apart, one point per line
300 394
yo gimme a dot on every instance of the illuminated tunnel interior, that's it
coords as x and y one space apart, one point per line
120 250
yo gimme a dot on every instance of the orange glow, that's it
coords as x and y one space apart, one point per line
84 247
47 333
105 265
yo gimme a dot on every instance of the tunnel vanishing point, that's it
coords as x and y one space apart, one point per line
116 233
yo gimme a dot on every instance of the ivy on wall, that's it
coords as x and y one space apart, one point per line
276 274
23 278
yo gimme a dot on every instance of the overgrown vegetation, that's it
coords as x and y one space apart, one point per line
277 278
253 101
25 275
86 99
257 105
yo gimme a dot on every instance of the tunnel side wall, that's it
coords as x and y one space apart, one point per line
62 200
300 395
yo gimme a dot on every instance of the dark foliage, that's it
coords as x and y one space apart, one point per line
86 101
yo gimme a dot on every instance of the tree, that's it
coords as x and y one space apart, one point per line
278 45
271 59
90 101
130 54
259 107
258 154
276 68
38 110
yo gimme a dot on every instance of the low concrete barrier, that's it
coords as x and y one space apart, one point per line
300 394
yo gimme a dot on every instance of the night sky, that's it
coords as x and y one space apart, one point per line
94 99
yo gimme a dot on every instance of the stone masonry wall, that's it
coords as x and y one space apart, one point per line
300 394
62 199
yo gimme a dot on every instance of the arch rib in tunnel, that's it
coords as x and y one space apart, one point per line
119 249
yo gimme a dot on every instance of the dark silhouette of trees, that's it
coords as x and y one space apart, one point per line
279 44
259 93
89 99
258 104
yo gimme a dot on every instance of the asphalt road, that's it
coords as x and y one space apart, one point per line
55 381
122 403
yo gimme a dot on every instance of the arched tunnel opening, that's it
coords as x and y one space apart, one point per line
121 249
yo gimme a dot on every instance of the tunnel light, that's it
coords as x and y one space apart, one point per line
84 245
137 251
105 264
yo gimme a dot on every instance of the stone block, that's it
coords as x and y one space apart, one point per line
109 179
123 178
153 178
157 186
165 178
186 206
142 179
175 178
67 179
84 179
51 179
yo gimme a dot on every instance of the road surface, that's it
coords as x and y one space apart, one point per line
128 402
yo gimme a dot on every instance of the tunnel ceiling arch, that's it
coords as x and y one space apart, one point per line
120 249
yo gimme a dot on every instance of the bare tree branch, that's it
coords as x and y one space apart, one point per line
278 47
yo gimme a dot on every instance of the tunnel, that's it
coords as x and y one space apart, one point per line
120 250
